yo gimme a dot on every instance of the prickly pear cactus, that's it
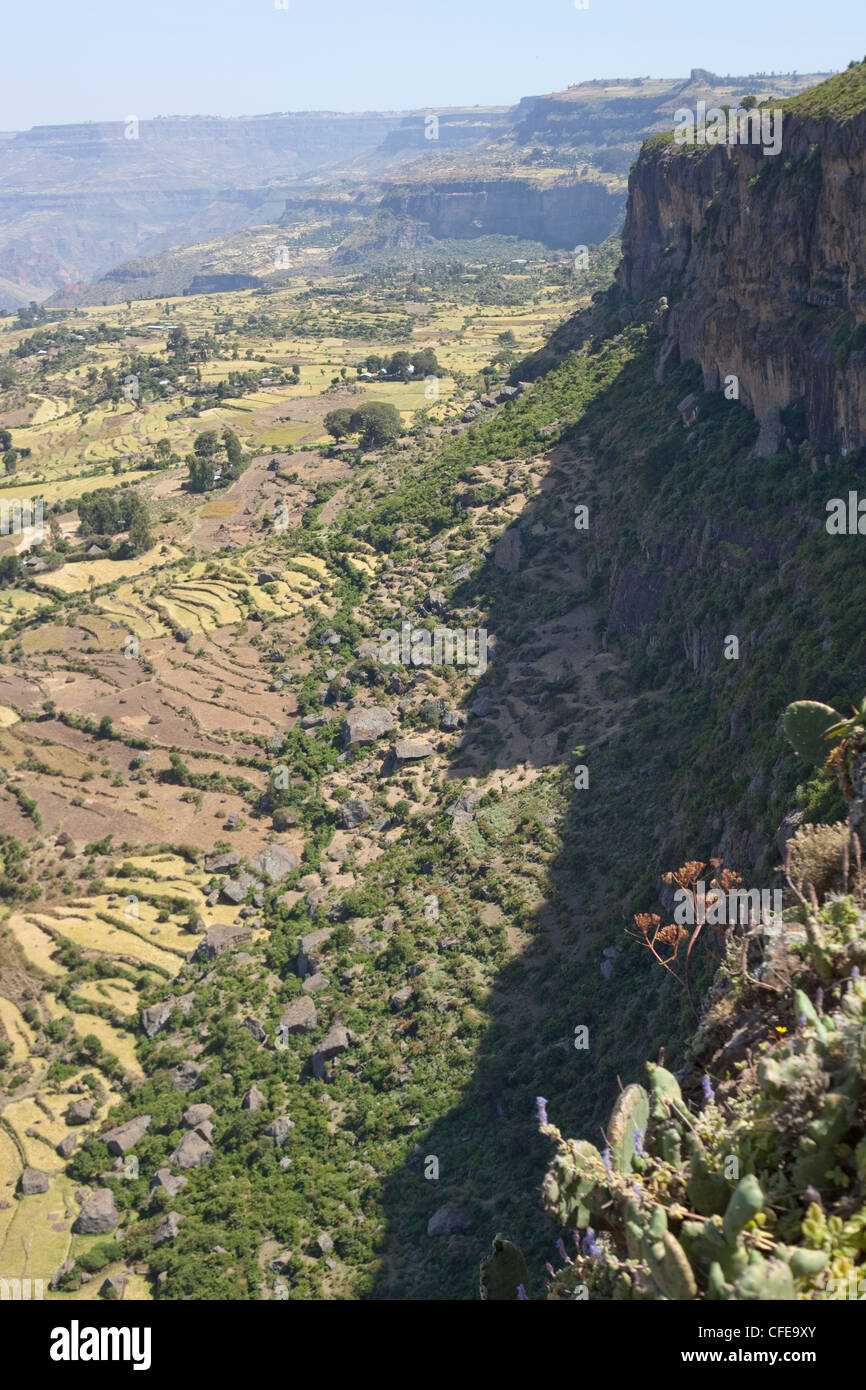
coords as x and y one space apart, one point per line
504 1272
805 723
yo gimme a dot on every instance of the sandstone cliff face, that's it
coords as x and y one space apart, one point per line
562 215
764 260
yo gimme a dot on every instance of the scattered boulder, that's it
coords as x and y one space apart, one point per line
313 983
275 862
169 1182
167 1229
279 1129
126 1136
253 1026
196 1115
112 1287
156 1017
79 1112
219 939
411 749
366 724
449 1220
335 1041
221 863
300 1016
67 1145
98 1215
324 1243
192 1152
309 955
185 1076
354 812
32 1181
253 1099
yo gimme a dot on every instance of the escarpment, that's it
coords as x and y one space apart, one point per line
763 259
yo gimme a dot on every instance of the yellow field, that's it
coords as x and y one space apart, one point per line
122 1047
76 579
36 944
18 1031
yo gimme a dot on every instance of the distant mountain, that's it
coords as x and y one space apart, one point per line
79 201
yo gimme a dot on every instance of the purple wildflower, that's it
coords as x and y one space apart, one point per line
855 973
605 1158
801 1021
543 1121
638 1142
819 1000
551 1271
522 1295
709 1093
563 1254
589 1245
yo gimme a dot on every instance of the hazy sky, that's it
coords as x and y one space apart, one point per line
77 60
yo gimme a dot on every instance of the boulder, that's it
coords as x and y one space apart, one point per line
32 1181
354 812
300 1016
279 1129
275 862
79 1112
449 1220
335 1041
156 1017
164 1178
219 939
167 1229
235 890
221 863
253 1099
410 749
195 1115
310 954
67 1145
192 1151
366 724
112 1287
253 1026
126 1136
98 1215
313 983
185 1076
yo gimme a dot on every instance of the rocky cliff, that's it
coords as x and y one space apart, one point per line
763 258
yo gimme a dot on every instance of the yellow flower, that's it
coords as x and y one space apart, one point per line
781 1030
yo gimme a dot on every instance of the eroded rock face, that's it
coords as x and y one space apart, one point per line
771 248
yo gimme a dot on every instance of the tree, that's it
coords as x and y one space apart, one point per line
163 448
140 538
206 444
234 452
338 423
10 569
177 343
377 423
10 460
749 102
5 441
201 473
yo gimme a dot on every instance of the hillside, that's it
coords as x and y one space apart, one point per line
332 911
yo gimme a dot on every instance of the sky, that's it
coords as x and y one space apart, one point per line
85 60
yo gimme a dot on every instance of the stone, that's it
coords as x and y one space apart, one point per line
66 1268
354 812
275 861
219 939
313 983
167 1229
79 1112
253 1026
196 1115
98 1215
67 1145
156 1017
335 1041
253 1099
169 1182
508 552
221 863
449 1220
324 1243
192 1151
411 749
112 1287
235 890
366 724
32 1181
463 809
279 1129
185 1076
300 1016
452 719
400 998
309 955
126 1136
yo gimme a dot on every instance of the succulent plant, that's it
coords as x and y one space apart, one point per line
806 723
503 1272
